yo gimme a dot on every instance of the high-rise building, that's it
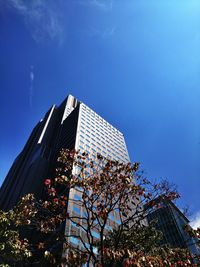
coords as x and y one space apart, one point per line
171 222
70 125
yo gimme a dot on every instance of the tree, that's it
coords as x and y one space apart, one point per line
13 249
139 246
91 207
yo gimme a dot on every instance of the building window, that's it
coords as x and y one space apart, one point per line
95 234
76 210
77 197
118 221
111 217
74 240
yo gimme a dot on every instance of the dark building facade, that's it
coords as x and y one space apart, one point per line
171 221
35 161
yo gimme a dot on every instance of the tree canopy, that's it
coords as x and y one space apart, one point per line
92 213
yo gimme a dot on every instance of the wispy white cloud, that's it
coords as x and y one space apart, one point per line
108 32
195 221
102 33
104 5
41 17
32 76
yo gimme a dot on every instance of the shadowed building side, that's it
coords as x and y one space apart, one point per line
28 167
37 160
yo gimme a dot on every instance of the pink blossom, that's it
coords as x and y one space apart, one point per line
47 182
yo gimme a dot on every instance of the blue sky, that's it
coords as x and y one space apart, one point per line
136 63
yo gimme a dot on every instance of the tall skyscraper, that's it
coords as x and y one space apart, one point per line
71 125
